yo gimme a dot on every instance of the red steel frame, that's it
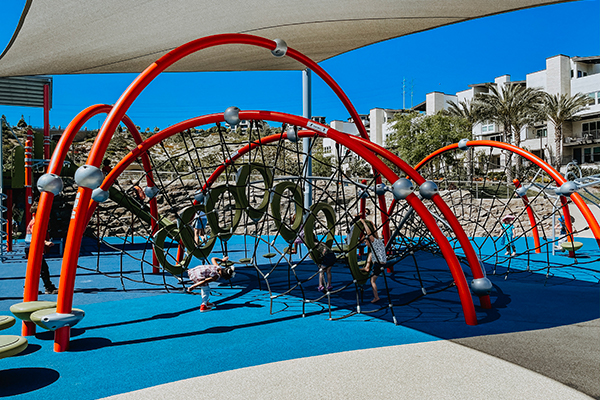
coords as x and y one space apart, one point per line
353 143
34 261
554 174
117 113
28 175
148 75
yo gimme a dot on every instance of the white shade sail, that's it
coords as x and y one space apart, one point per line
113 36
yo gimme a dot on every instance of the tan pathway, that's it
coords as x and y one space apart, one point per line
432 370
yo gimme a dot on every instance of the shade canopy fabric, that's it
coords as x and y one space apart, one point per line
114 36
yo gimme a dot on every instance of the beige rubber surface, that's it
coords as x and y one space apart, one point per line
433 370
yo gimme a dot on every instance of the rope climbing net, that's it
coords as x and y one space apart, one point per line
268 215
493 185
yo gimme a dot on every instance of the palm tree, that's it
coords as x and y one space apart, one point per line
559 108
465 109
511 107
469 111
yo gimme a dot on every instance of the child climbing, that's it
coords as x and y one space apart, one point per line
299 239
326 259
200 224
377 258
563 232
202 275
508 235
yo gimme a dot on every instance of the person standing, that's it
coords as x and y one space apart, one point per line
45 271
509 235
376 260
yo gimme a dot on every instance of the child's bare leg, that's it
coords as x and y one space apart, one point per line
329 276
321 276
205 294
374 287
369 262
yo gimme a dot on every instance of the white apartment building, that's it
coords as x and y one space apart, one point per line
377 123
581 138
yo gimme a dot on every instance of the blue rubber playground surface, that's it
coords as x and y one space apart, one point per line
138 335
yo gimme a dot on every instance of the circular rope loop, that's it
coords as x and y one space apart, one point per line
224 233
245 171
187 235
357 231
309 227
159 244
291 233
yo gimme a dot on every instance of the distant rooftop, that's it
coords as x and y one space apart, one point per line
587 60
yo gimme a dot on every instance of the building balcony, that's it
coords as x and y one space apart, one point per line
589 138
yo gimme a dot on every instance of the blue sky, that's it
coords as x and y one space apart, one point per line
445 59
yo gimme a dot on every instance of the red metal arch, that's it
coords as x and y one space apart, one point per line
554 174
139 84
98 150
353 143
79 220
148 75
472 258
46 199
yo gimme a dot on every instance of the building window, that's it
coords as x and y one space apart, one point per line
591 99
487 127
590 130
543 132
497 138
591 154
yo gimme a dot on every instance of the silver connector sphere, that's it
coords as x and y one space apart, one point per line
481 286
428 189
99 195
521 191
88 176
50 183
462 144
402 188
380 189
292 135
567 189
280 49
151 191
232 116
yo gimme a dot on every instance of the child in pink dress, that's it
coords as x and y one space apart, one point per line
202 275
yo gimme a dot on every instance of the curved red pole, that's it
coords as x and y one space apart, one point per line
38 236
531 215
148 75
554 174
137 137
348 141
461 236
45 204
